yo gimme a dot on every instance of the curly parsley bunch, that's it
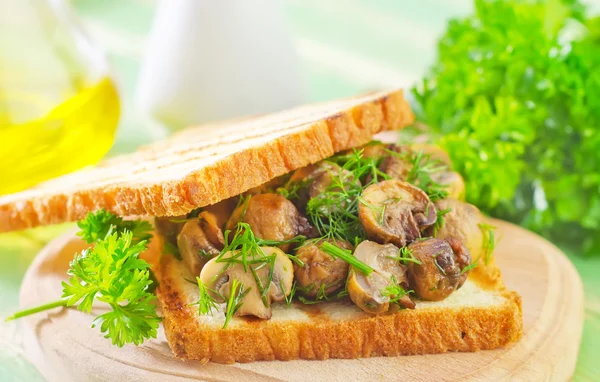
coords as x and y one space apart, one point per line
515 98
111 271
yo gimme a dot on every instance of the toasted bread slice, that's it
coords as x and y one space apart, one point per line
476 317
203 165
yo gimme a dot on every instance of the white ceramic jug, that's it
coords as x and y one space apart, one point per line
208 60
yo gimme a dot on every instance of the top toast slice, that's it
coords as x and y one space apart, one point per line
203 165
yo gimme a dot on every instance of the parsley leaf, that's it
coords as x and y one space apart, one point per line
97 226
514 98
111 272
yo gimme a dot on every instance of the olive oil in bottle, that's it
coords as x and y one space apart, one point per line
59 138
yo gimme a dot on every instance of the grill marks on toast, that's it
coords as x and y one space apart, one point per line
207 164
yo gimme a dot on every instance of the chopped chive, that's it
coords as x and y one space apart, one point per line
337 252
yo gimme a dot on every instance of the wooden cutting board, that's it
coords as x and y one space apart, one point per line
63 346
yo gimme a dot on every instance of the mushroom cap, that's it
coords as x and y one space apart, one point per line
395 212
210 225
454 182
271 217
440 270
199 241
320 269
318 178
218 276
396 166
366 291
462 223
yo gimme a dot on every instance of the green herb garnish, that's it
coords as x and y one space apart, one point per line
111 272
334 212
235 300
406 255
489 240
439 221
337 252
321 296
289 298
393 291
513 98
97 226
423 167
206 304
469 267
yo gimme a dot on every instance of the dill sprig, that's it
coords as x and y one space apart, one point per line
322 296
206 304
246 249
469 267
235 300
289 298
406 256
489 240
439 221
423 166
394 291
334 212
291 189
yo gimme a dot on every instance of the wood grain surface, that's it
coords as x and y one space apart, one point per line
63 346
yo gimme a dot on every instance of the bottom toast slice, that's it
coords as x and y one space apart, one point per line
476 317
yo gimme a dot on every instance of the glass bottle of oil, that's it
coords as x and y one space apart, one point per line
58 107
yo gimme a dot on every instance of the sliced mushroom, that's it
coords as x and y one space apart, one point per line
462 223
395 212
219 276
439 271
369 292
169 227
199 241
271 217
320 270
396 163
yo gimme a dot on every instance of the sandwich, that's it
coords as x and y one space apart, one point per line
295 235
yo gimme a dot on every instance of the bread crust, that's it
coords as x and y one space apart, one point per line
141 184
420 331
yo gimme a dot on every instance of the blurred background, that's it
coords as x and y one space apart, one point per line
510 88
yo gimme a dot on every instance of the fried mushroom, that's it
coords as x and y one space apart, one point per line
218 278
200 240
461 223
372 293
439 270
271 217
395 212
315 179
320 270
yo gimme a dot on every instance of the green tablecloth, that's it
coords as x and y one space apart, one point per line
346 47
